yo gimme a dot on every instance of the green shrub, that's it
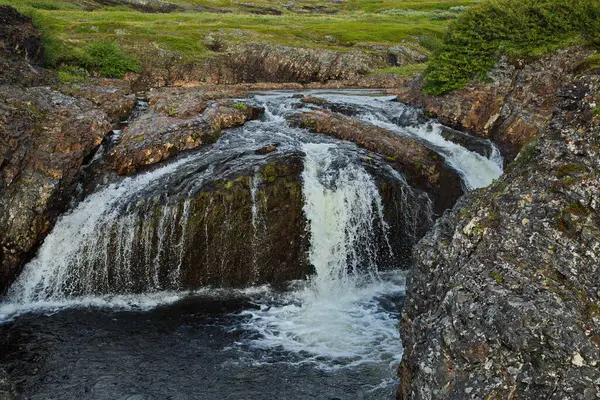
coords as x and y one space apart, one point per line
105 58
518 28
71 73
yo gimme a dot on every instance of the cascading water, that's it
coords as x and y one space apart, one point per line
336 317
127 246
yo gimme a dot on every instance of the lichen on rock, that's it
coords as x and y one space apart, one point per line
503 300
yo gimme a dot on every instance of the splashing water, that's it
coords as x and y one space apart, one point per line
337 319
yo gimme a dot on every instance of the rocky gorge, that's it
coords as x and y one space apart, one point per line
127 187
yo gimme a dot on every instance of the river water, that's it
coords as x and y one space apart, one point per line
81 323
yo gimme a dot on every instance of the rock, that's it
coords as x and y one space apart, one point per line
113 96
45 137
227 230
504 298
7 389
148 6
423 168
513 108
266 150
313 100
21 51
254 63
177 120
469 142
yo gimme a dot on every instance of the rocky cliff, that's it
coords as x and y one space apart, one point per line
504 298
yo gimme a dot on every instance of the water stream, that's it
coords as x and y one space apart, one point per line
104 310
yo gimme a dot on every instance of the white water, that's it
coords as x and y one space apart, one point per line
476 171
50 277
337 318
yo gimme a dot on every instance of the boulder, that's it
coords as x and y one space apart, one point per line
45 137
504 298
113 96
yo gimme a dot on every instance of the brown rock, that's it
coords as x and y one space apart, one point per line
113 96
177 120
313 100
266 150
513 108
423 168
45 137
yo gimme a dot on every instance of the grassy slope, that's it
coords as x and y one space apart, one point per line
67 28
517 28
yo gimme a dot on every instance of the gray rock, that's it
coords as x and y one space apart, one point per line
504 298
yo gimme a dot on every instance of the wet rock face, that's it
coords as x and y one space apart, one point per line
177 120
246 227
229 246
45 137
21 51
7 389
423 168
511 110
504 298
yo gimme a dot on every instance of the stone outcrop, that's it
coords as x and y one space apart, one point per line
260 63
504 298
513 108
177 120
45 137
423 168
227 230
113 96
226 247
21 51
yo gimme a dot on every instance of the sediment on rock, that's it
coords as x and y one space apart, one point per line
504 296
422 167
511 110
177 120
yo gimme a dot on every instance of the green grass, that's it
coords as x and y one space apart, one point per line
517 28
188 35
404 71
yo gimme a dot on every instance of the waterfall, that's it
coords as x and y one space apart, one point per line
344 211
91 249
336 317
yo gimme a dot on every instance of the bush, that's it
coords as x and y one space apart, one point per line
518 28
105 58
